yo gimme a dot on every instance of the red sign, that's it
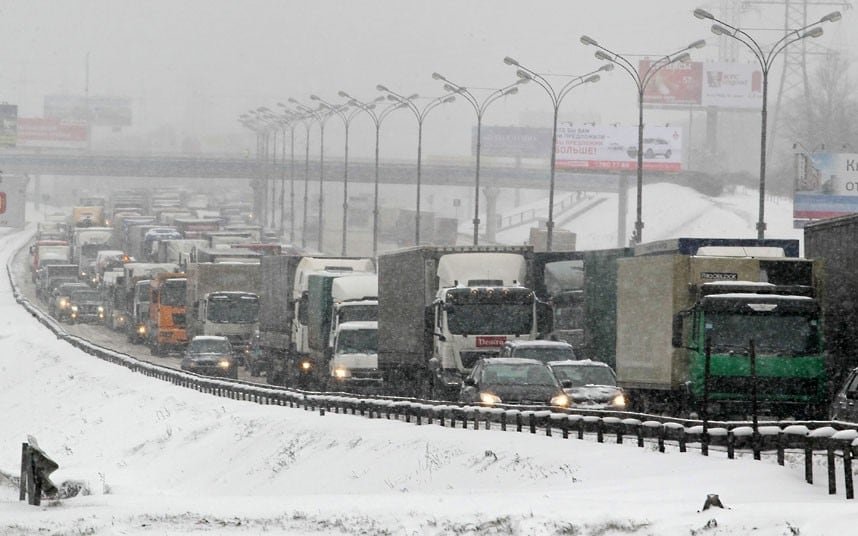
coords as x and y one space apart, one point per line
675 83
49 132
490 341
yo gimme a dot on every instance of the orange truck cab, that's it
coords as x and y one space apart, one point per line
167 324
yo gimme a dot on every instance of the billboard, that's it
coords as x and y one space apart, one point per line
51 133
676 83
828 188
99 111
8 125
598 147
522 142
717 84
13 200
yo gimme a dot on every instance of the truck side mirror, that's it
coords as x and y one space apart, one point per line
676 340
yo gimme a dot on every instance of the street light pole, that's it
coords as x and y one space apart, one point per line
321 116
341 112
641 81
556 97
766 60
479 109
377 119
420 115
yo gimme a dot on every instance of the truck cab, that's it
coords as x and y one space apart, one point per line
230 314
354 361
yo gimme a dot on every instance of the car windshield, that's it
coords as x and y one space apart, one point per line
517 374
357 341
85 296
545 354
233 308
210 346
581 375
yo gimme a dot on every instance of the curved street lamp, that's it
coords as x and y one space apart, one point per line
321 115
341 110
291 120
420 115
765 59
377 119
556 97
641 79
479 108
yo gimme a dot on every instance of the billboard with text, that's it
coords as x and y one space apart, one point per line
828 188
51 133
598 147
717 84
520 142
98 111
8 125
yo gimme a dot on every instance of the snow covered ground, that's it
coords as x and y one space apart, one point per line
160 460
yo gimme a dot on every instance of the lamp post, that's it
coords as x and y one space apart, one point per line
419 114
479 108
377 119
289 120
321 116
641 81
765 59
346 116
556 97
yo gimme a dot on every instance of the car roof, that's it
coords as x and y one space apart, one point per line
538 344
511 361
355 325
579 363
209 338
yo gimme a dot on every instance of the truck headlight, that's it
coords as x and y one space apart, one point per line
619 401
560 400
74 308
64 303
489 399
100 308
341 373
141 330
223 363
306 366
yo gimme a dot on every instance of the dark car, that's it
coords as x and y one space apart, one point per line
210 355
60 306
86 306
845 404
511 380
593 384
545 351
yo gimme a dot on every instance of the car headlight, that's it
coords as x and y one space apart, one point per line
489 399
74 308
619 401
224 363
306 366
560 400
341 373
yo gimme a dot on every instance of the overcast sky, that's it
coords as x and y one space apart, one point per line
198 64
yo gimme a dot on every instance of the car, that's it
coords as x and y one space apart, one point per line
591 384
59 306
844 407
652 147
210 355
512 380
85 305
544 351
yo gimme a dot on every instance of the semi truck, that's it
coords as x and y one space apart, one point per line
89 216
284 329
177 251
442 308
86 243
682 300
223 299
832 242
136 279
167 313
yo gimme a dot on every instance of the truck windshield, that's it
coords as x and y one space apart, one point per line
490 318
358 313
357 341
233 309
173 293
772 334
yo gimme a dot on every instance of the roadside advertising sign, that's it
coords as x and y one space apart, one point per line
677 83
51 133
615 148
828 189
523 142
13 200
8 125
717 84
99 111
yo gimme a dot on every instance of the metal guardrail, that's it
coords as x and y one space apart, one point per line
837 440
532 214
